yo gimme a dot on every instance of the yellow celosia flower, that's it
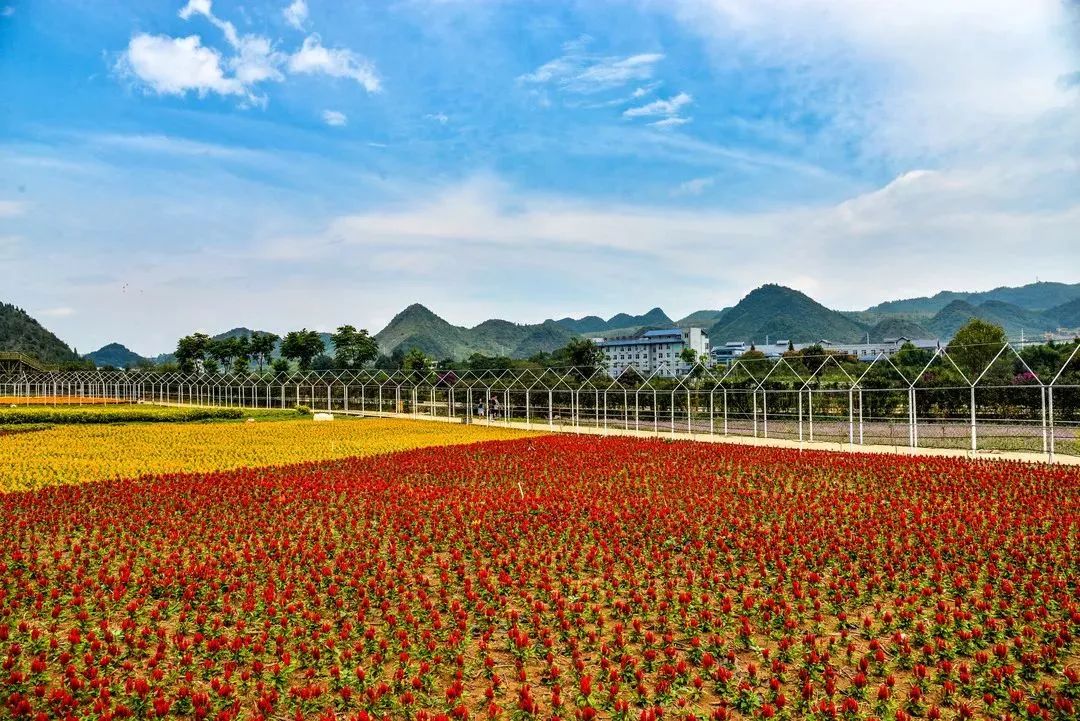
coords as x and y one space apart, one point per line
77 454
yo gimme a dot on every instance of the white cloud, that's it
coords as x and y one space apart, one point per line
11 208
440 118
334 118
172 145
296 14
580 72
669 107
667 110
905 81
59 312
176 66
205 8
928 229
255 59
672 122
312 57
695 186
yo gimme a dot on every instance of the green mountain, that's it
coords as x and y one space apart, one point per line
581 326
418 327
1034 296
898 328
621 322
702 318
19 333
1067 315
115 355
1012 318
783 313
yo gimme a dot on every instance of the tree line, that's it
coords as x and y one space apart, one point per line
352 348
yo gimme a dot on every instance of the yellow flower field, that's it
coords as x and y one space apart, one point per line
77 454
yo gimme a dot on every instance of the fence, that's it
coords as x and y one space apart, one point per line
863 403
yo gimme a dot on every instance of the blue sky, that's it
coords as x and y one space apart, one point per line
170 166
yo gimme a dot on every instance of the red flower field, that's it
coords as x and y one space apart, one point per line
552 577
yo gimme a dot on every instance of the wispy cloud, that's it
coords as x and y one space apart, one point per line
695 186
312 57
880 83
578 71
58 312
11 208
667 110
668 107
335 118
296 14
440 118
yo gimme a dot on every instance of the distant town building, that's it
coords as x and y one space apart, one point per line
654 351
731 351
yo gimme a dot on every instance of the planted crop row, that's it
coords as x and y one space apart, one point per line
555 577
113 414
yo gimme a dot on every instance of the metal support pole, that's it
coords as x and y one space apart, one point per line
810 410
800 416
850 417
765 413
860 417
974 442
712 417
1042 400
725 411
755 413
1050 409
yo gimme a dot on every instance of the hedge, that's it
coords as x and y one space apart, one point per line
114 414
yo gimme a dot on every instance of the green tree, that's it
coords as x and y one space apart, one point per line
353 348
813 357
191 351
262 347
583 355
975 345
280 365
323 362
302 346
415 360
241 350
220 350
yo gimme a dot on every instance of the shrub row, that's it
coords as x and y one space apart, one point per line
114 414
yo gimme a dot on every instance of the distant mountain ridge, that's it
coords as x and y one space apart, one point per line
1039 296
771 310
418 327
620 321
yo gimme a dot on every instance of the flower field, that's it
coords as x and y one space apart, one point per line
556 576
77 454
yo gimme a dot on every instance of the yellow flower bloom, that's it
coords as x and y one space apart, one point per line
77 454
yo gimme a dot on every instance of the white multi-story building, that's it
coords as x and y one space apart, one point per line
654 351
729 352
